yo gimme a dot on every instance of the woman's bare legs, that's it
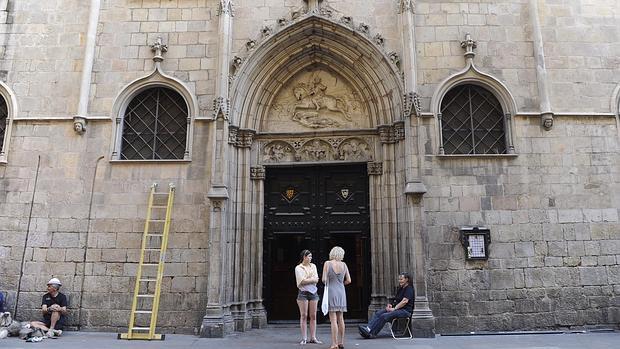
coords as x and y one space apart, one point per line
303 315
333 320
312 314
340 327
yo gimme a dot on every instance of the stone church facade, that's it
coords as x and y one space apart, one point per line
497 119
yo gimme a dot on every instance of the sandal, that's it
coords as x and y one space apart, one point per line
315 341
303 342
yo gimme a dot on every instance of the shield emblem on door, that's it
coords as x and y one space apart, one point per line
344 193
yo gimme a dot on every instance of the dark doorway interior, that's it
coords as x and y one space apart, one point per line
315 208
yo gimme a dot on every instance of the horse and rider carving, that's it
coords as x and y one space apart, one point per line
311 99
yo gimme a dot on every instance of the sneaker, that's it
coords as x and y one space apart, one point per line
50 334
364 331
57 333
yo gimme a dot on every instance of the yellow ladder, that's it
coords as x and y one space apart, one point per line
154 244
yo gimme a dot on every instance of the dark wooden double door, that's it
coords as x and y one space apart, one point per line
315 208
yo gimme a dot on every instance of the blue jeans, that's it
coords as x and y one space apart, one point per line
382 316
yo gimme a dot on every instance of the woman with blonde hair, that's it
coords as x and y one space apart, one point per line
335 276
307 277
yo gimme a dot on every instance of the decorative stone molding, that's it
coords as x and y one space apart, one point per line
226 7
241 138
236 64
79 125
325 11
266 31
399 131
159 48
387 134
405 5
412 106
217 204
245 138
375 168
469 45
379 40
395 58
547 121
346 149
221 107
257 173
232 134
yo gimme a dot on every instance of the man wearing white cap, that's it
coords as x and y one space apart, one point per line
54 309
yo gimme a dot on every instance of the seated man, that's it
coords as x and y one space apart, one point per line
54 309
401 307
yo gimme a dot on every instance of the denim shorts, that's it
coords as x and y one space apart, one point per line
307 296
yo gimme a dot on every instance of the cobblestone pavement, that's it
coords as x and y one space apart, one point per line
287 337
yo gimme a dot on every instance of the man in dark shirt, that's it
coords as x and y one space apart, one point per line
54 309
401 307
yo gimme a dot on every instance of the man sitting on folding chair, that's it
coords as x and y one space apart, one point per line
401 307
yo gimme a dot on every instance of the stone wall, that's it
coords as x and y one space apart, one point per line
555 233
552 210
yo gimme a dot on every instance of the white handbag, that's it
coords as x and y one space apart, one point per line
325 303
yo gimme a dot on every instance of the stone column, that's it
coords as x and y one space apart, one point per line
257 310
415 253
546 113
79 120
378 293
217 321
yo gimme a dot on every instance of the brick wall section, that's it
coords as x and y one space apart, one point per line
555 232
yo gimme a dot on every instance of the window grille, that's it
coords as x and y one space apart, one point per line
4 114
472 122
155 126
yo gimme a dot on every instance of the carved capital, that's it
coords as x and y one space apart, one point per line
217 204
221 108
257 173
225 7
387 134
232 134
375 168
399 131
412 106
245 138
405 6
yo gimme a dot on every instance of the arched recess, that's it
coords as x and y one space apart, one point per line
471 75
321 42
339 52
157 78
11 108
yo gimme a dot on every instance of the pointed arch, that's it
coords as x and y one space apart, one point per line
10 109
322 42
155 79
472 76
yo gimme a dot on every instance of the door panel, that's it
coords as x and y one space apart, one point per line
315 208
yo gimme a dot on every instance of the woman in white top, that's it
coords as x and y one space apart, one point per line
307 277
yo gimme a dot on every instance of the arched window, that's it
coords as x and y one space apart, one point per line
4 116
155 126
472 122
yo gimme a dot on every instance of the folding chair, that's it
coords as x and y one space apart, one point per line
402 333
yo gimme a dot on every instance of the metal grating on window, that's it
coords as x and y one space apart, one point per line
4 114
472 122
155 126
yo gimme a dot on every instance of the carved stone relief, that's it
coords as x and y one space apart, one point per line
316 99
317 150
